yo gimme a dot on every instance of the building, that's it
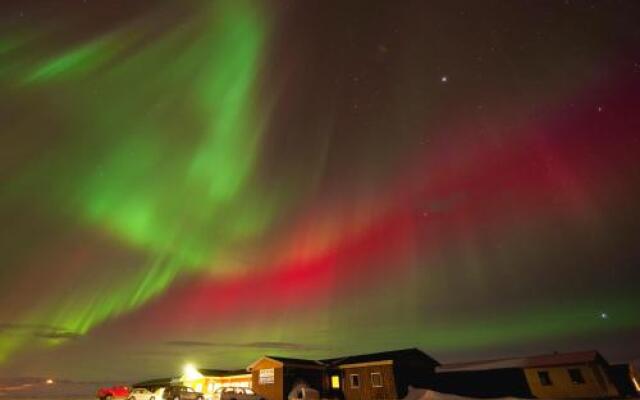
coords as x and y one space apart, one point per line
207 381
379 376
153 384
273 377
558 375
376 376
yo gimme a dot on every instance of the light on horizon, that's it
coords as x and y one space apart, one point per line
190 372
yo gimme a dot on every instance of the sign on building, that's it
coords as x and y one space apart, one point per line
266 376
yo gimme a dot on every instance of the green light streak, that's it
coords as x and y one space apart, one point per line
181 207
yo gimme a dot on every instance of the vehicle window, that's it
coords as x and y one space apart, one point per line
249 392
190 389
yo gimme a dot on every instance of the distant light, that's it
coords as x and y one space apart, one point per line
604 315
444 79
49 381
190 372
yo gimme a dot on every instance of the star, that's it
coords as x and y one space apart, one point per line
604 315
444 79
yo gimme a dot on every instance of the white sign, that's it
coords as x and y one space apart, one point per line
266 376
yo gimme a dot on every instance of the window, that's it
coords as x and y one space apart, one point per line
249 392
545 380
576 376
355 381
335 382
376 379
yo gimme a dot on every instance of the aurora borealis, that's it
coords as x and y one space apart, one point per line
212 181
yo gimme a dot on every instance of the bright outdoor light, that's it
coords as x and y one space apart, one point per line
190 372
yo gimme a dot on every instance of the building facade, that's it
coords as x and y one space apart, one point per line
559 376
377 376
274 377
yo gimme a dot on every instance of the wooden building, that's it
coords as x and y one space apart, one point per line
376 376
559 376
380 376
273 377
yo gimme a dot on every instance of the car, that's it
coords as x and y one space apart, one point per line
113 392
145 394
235 393
181 393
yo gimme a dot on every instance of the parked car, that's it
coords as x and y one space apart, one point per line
113 392
145 394
181 393
235 393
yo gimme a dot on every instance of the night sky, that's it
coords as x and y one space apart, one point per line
212 181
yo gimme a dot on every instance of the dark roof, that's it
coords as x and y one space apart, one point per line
546 360
298 361
153 382
394 355
221 372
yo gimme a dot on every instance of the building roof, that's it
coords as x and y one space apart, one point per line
393 355
300 361
221 372
545 360
288 361
153 382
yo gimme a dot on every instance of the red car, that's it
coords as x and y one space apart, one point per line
113 392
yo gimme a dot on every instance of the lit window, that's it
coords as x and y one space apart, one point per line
376 379
355 381
576 376
545 379
335 382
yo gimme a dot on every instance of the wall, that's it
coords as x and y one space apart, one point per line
597 383
366 390
504 382
273 391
